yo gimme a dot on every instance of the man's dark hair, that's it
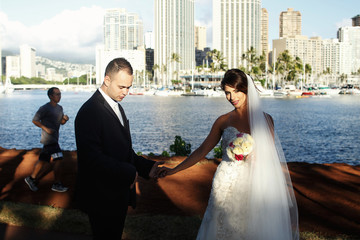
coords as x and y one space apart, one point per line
50 92
118 64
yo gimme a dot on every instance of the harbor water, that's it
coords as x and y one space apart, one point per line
313 130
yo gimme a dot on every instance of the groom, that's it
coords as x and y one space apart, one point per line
107 165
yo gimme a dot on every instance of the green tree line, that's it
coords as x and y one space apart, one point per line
82 80
25 80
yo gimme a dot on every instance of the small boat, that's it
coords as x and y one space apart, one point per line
149 92
292 90
308 93
328 91
193 94
280 94
209 93
262 91
349 89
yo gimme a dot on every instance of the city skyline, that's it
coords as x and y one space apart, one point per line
70 30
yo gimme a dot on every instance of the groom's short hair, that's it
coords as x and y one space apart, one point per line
118 64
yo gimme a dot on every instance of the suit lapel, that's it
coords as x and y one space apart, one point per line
108 108
126 121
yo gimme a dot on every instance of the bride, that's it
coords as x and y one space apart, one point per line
252 195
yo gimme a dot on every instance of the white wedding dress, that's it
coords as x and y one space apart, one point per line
227 211
252 199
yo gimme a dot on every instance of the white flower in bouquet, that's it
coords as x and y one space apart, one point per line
240 147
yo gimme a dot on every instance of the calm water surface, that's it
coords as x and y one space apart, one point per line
314 130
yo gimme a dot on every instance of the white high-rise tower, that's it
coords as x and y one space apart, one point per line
351 35
174 34
0 59
27 61
123 37
200 37
236 28
122 30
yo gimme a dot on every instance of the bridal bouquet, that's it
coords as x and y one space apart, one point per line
240 147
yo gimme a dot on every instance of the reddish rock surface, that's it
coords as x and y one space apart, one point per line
328 195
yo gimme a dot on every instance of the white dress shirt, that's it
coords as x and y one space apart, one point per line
113 104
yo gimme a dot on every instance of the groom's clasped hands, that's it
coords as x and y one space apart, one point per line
158 171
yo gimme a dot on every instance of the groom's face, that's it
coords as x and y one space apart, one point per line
118 85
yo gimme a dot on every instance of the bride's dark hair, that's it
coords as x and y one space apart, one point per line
235 78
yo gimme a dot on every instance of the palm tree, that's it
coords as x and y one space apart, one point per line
297 69
261 65
199 69
308 70
262 62
164 70
327 73
156 67
175 58
149 76
343 77
284 64
251 58
218 63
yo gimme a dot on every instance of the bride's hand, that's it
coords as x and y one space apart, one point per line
164 171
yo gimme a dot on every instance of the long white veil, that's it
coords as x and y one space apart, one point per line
272 206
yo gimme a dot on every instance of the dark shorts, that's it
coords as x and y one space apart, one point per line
51 151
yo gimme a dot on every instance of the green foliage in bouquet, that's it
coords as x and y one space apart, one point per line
180 147
218 151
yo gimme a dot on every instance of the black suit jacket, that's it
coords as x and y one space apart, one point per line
107 164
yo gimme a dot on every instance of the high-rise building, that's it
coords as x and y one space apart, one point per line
351 35
236 28
202 57
149 60
290 23
149 40
123 37
103 57
335 56
12 66
174 35
356 21
1 66
308 50
27 61
122 30
200 37
264 32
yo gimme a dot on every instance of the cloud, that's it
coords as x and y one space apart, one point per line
346 22
70 35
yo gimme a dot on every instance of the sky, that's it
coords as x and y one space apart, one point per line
69 30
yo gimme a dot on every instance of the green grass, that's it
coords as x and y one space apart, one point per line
44 217
144 227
